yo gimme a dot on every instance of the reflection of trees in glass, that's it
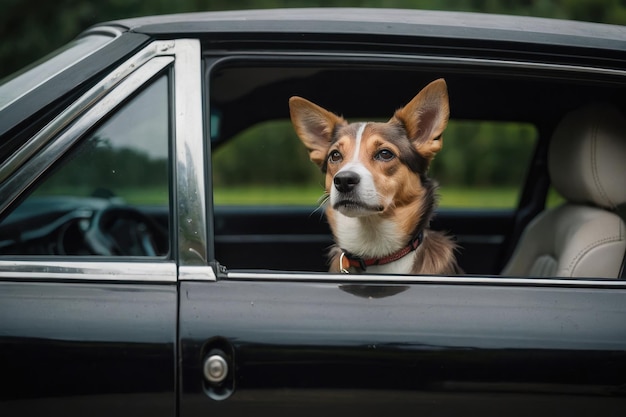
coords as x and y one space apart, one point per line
96 164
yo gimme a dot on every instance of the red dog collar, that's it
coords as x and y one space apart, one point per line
346 260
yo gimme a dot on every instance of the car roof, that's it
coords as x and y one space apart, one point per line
370 21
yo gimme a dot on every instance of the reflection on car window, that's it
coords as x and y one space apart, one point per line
126 157
110 196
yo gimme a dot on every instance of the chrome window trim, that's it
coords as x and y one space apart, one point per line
114 31
384 58
190 210
196 273
91 115
322 277
83 270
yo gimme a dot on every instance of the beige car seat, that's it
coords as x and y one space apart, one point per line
584 237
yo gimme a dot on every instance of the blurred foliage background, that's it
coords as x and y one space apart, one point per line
29 29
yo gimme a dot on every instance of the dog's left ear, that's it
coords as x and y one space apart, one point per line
425 118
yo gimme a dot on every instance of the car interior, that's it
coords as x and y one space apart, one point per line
245 93
584 237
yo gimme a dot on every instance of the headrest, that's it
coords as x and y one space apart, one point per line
587 156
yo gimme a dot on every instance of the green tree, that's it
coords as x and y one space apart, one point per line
272 149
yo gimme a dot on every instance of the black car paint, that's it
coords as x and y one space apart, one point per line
87 348
413 348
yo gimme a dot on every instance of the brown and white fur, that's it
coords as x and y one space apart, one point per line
379 194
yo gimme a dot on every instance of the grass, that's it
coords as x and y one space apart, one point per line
450 197
290 195
456 197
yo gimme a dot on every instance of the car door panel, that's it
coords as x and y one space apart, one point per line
298 238
282 238
480 236
87 348
330 347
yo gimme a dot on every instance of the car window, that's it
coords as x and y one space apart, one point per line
269 208
554 199
110 195
268 197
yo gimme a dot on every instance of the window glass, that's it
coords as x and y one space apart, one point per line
110 196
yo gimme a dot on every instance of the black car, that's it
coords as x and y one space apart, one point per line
153 260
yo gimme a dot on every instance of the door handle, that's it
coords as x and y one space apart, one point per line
217 369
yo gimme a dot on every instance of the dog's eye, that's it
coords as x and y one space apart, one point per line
384 155
335 156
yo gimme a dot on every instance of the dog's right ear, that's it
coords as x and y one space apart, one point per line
425 118
315 126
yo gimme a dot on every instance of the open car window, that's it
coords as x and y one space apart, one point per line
268 197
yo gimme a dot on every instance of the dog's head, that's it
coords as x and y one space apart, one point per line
375 169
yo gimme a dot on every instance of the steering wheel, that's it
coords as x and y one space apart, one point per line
124 231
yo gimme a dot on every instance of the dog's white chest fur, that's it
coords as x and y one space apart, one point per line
366 236
402 266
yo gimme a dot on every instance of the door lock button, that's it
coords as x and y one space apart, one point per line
215 369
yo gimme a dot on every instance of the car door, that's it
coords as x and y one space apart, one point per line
312 344
88 274
277 342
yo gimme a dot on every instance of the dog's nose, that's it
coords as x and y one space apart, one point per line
346 181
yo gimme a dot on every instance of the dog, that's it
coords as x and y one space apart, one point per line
379 198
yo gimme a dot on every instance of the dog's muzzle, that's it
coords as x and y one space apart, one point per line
354 194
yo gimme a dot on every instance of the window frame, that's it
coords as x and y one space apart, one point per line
541 69
49 145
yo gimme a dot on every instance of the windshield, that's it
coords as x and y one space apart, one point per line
20 83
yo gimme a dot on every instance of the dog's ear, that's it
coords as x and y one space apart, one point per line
315 126
425 118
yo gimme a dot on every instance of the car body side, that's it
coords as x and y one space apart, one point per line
130 335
